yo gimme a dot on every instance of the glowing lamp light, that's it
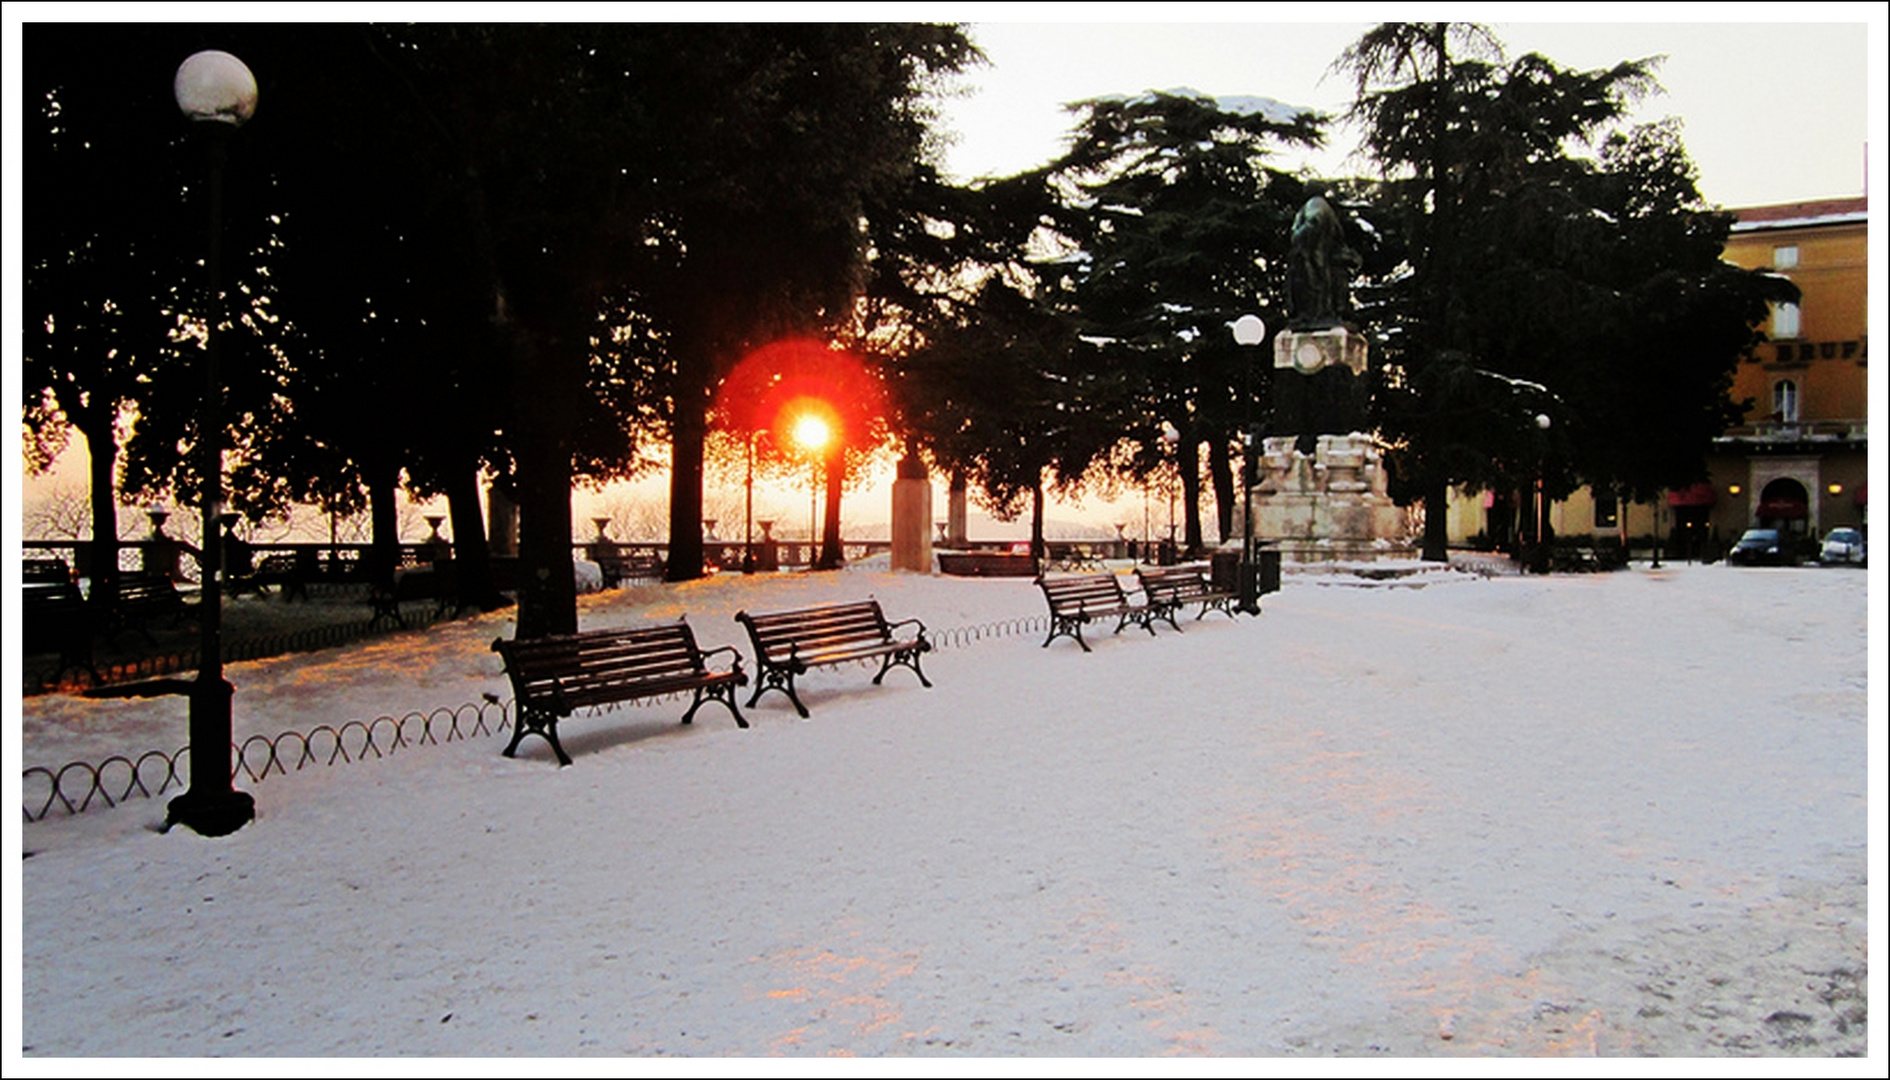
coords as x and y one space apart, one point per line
1733 489
1249 330
812 432
1836 489
214 86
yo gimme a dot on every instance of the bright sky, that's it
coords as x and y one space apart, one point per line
1773 112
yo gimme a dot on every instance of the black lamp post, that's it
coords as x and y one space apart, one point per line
218 93
1544 557
1249 330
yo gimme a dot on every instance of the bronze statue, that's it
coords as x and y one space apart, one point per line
1320 270
1319 392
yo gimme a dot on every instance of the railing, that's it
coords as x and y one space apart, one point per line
728 554
179 559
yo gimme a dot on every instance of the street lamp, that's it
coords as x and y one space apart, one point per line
1543 560
1249 331
218 93
812 433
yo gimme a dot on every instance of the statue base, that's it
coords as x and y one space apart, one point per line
1329 506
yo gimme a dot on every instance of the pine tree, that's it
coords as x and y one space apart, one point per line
1182 229
1547 254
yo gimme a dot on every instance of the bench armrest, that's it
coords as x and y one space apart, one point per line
729 649
890 627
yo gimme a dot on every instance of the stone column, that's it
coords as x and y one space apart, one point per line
912 517
957 510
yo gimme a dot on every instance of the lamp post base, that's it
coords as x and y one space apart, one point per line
1249 588
217 813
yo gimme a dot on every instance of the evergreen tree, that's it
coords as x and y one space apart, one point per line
1546 254
1183 229
113 247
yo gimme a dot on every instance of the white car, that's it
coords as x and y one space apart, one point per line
1843 546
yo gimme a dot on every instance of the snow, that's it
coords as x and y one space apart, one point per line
1267 108
1808 221
1606 814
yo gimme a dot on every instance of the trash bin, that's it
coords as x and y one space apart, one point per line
1224 571
1268 564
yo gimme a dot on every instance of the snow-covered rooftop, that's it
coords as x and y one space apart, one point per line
1800 215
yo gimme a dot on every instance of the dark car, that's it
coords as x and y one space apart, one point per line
1761 547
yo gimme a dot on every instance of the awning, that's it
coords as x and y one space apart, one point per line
1860 497
1700 494
1782 510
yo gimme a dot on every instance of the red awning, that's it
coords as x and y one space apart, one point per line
1783 509
1859 497
1700 494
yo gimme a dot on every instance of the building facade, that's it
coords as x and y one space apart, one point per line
1798 461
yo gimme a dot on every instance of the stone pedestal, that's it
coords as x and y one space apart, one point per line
1329 506
1321 495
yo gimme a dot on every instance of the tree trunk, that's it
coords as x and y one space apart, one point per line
832 557
1039 551
1188 461
383 520
472 559
1437 521
1221 473
688 432
101 441
547 592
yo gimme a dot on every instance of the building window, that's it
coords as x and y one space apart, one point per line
1785 257
1606 510
1785 320
1785 400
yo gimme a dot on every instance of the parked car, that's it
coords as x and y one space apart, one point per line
1761 547
1843 546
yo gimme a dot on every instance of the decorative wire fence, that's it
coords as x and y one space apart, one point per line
78 786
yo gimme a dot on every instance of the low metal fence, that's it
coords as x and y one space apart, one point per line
78 786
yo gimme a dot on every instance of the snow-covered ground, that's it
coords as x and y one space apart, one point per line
1610 814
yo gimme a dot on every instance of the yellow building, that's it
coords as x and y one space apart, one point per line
1798 459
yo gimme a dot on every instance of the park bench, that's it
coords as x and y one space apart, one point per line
136 599
438 584
788 643
56 618
1074 556
631 566
1076 600
555 676
284 571
1176 587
